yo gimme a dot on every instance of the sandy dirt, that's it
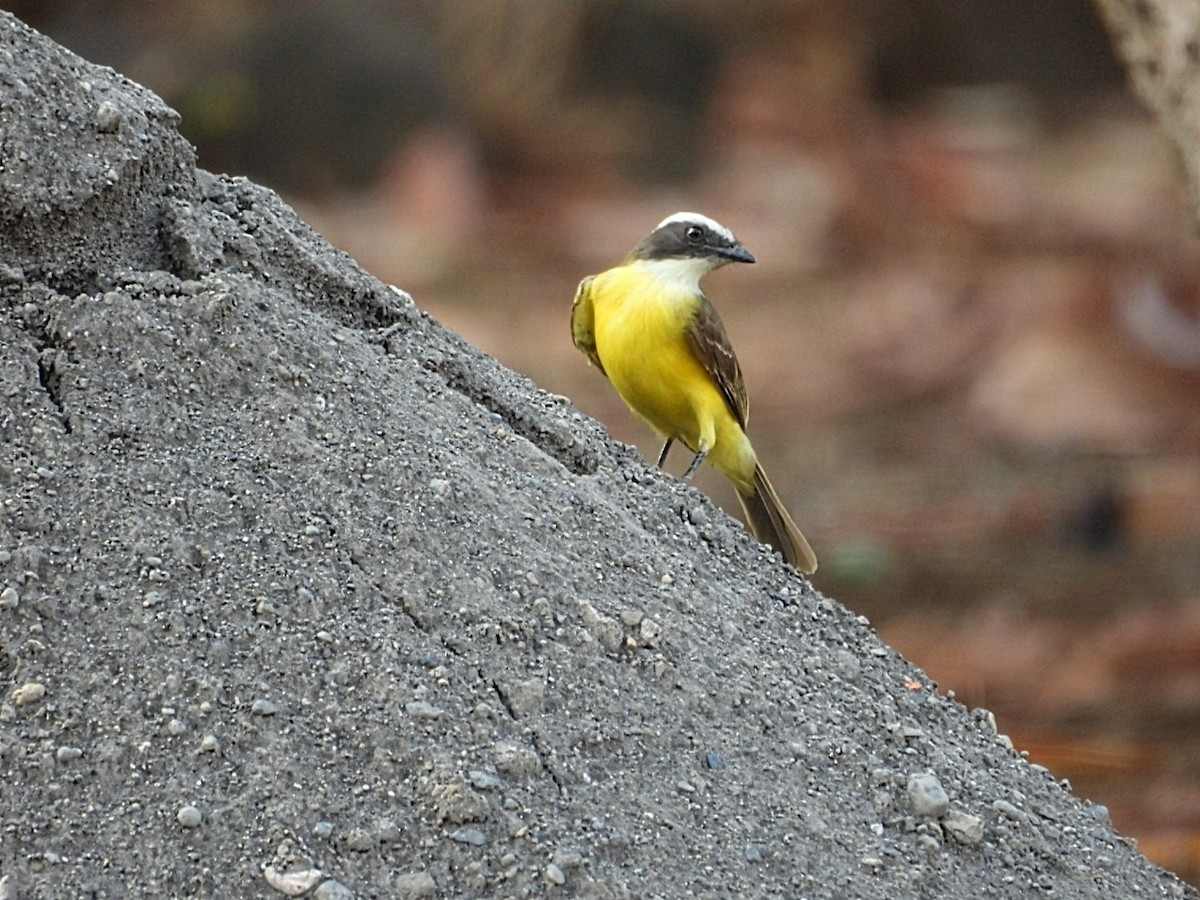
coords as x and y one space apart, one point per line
301 593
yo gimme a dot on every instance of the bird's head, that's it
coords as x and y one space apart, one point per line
689 235
686 246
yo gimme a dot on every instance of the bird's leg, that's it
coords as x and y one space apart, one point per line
662 457
691 470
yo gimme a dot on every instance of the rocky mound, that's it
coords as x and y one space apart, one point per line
298 592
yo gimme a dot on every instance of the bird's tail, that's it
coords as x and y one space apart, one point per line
772 524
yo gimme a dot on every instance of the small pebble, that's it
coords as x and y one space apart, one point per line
387 831
963 827
263 707
472 836
414 886
555 875
1007 809
29 692
543 610
847 666
209 744
323 829
359 840
67 754
482 780
752 853
713 761
928 842
567 858
9 598
927 796
189 816
331 889
516 760
108 117
292 882
422 709
175 728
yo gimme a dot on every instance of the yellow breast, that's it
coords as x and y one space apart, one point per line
640 330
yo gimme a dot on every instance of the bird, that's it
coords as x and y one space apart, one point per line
649 328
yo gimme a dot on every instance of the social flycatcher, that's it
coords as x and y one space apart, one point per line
648 327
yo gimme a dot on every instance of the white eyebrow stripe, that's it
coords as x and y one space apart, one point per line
699 220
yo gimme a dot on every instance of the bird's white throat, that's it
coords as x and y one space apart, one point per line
680 274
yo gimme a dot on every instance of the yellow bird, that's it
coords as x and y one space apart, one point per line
649 328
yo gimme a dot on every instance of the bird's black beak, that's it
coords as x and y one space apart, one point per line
734 253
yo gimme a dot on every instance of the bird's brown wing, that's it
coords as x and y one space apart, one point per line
583 322
710 343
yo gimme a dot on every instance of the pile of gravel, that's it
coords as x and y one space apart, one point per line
300 593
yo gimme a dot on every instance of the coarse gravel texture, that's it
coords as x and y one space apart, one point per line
301 595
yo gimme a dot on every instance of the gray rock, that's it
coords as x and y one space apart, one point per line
323 830
294 880
331 889
108 118
414 886
484 781
423 709
190 816
926 795
29 693
263 707
360 840
1009 811
963 827
848 666
472 836
387 831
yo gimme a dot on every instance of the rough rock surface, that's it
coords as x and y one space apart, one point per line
300 594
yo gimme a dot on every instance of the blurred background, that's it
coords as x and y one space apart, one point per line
972 340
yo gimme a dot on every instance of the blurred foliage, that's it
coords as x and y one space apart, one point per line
310 95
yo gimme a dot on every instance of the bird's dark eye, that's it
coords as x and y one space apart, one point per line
695 234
